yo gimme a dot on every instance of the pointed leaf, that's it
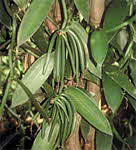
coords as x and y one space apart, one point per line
83 8
33 79
121 79
99 46
32 19
113 92
94 70
115 14
43 143
88 109
103 141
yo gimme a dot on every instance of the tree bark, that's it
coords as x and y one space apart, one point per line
72 142
96 11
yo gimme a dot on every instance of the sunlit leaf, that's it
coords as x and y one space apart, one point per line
83 7
99 46
42 143
33 79
32 19
88 109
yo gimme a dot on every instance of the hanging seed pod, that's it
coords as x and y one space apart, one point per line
96 12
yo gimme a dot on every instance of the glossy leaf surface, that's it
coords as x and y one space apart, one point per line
83 7
43 143
88 109
94 70
103 141
32 19
115 14
113 92
33 79
121 79
99 46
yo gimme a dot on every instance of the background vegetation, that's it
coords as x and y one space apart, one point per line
68 74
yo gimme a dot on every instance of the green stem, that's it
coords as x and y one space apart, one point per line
33 100
54 23
11 63
122 25
4 44
12 45
64 13
129 48
131 10
14 26
4 99
13 114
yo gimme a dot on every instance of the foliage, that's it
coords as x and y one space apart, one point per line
52 89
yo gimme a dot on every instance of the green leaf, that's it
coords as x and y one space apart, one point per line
99 46
4 16
32 19
121 79
113 92
94 70
115 14
83 8
90 77
103 141
68 70
40 40
132 65
88 109
43 143
32 98
33 79
85 127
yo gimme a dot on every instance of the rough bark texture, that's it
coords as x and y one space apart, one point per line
90 141
72 142
90 144
58 16
49 24
29 59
